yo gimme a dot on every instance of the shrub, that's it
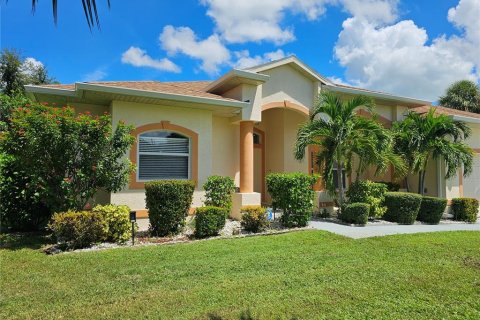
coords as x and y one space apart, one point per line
118 222
218 191
356 213
465 209
391 186
168 202
402 207
58 160
431 209
369 192
78 229
209 221
254 218
293 193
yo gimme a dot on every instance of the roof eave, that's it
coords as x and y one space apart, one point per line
235 77
465 118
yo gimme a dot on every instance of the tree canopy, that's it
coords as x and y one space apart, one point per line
462 95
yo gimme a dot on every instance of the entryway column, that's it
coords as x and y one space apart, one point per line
246 156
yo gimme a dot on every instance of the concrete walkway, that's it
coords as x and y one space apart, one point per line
385 230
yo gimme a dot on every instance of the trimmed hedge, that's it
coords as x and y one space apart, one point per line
254 218
168 202
356 213
293 193
369 192
431 209
78 229
391 186
209 221
218 191
402 207
465 209
118 221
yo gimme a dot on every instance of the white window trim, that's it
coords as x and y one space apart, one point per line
188 155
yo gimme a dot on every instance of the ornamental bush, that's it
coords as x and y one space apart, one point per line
391 186
254 218
356 213
465 209
218 191
78 229
209 221
369 192
293 193
402 207
431 209
118 222
57 161
168 202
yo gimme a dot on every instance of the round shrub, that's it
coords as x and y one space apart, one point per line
209 221
118 222
356 213
78 229
168 202
293 193
369 192
431 209
402 207
465 209
218 191
254 218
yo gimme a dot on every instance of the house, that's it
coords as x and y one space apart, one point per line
241 125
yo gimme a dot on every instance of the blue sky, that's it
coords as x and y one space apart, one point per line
413 48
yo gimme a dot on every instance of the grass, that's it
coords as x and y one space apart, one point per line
304 275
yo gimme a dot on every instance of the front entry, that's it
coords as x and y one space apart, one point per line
259 162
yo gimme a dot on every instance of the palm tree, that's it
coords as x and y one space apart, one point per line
462 95
341 133
425 136
89 8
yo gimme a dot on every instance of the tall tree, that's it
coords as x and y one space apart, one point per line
462 95
424 136
89 8
341 133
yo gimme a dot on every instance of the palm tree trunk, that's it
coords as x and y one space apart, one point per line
420 175
340 178
423 182
406 184
357 178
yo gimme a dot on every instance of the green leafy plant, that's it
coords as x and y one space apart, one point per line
58 160
209 221
168 202
356 213
293 193
431 209
78 229
465 209
391 186
118 221
369 192
402 207
254 218
218 191
462 95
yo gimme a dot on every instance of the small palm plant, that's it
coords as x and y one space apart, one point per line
421 137
342 134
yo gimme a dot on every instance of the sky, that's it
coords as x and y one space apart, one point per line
410 48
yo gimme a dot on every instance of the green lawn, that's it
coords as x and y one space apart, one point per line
303 275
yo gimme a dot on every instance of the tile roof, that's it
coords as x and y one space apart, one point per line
188 88
446 111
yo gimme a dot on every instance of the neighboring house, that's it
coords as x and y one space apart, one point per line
242 125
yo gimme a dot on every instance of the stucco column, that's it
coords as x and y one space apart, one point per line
246 156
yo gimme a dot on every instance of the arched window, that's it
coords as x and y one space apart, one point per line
163 155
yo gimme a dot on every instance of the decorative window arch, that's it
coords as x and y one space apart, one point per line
163 151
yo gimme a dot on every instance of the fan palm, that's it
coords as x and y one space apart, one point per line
89 8
424 136
341 133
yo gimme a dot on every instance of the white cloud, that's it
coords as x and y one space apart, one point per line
210 51
30 65
139 58
260 20
33 62
380 11
244 60
95 75
397 57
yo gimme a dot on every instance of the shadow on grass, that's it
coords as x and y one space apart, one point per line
245 315
24 240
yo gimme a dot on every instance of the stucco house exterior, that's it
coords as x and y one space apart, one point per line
241 125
